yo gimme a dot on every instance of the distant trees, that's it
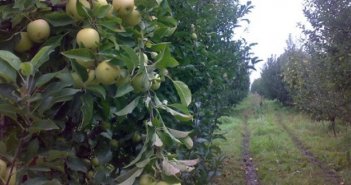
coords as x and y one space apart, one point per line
271 84
316 76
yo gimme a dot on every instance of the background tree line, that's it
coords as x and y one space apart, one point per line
315 77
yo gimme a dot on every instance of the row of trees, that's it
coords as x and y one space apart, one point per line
94 92
317 75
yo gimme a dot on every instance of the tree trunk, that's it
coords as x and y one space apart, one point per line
333 126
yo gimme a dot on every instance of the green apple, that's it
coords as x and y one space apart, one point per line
95 161
124 77
88 37
38 30
194 36
25 44
136 137
123 7
106 73
154 55
133 18
71 8
114 143
141 83
156 82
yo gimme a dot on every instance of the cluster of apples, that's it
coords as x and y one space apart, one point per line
124 8
37 32
5 173
104 72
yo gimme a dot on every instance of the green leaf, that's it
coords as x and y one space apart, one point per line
129 108
98 89
81 54
112 24
43 79
123 90
43 125
59 19
129 177
130 57
183 91
179 134
11 59
2 147
164 58
9 110
76 164
57 154
26 68
102 11
179 116
41 181
87 110
7 73
42 56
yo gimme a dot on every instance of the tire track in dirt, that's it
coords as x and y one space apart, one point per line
329 174
249 166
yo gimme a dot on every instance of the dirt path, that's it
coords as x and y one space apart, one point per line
329 174
249 167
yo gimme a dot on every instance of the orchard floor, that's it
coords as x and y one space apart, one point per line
282 147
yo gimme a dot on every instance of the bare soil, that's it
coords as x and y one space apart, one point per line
248 164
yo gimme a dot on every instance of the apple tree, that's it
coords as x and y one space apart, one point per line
79 93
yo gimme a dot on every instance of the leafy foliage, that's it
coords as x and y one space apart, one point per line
83 115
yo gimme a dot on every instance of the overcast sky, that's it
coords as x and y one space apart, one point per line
271 22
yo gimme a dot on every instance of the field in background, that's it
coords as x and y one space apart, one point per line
276 156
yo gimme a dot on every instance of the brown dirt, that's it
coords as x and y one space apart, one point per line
249 166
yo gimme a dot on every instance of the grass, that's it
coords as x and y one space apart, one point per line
273 152
333 151
232 173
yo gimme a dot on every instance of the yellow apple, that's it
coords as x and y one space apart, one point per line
133 18
100 2
123 7
88 37
25 44
146 179
106 73
3 168
38 30
71 8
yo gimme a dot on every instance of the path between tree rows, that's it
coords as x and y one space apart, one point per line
249 166
329 174
249 169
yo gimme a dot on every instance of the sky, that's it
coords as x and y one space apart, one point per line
271 22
